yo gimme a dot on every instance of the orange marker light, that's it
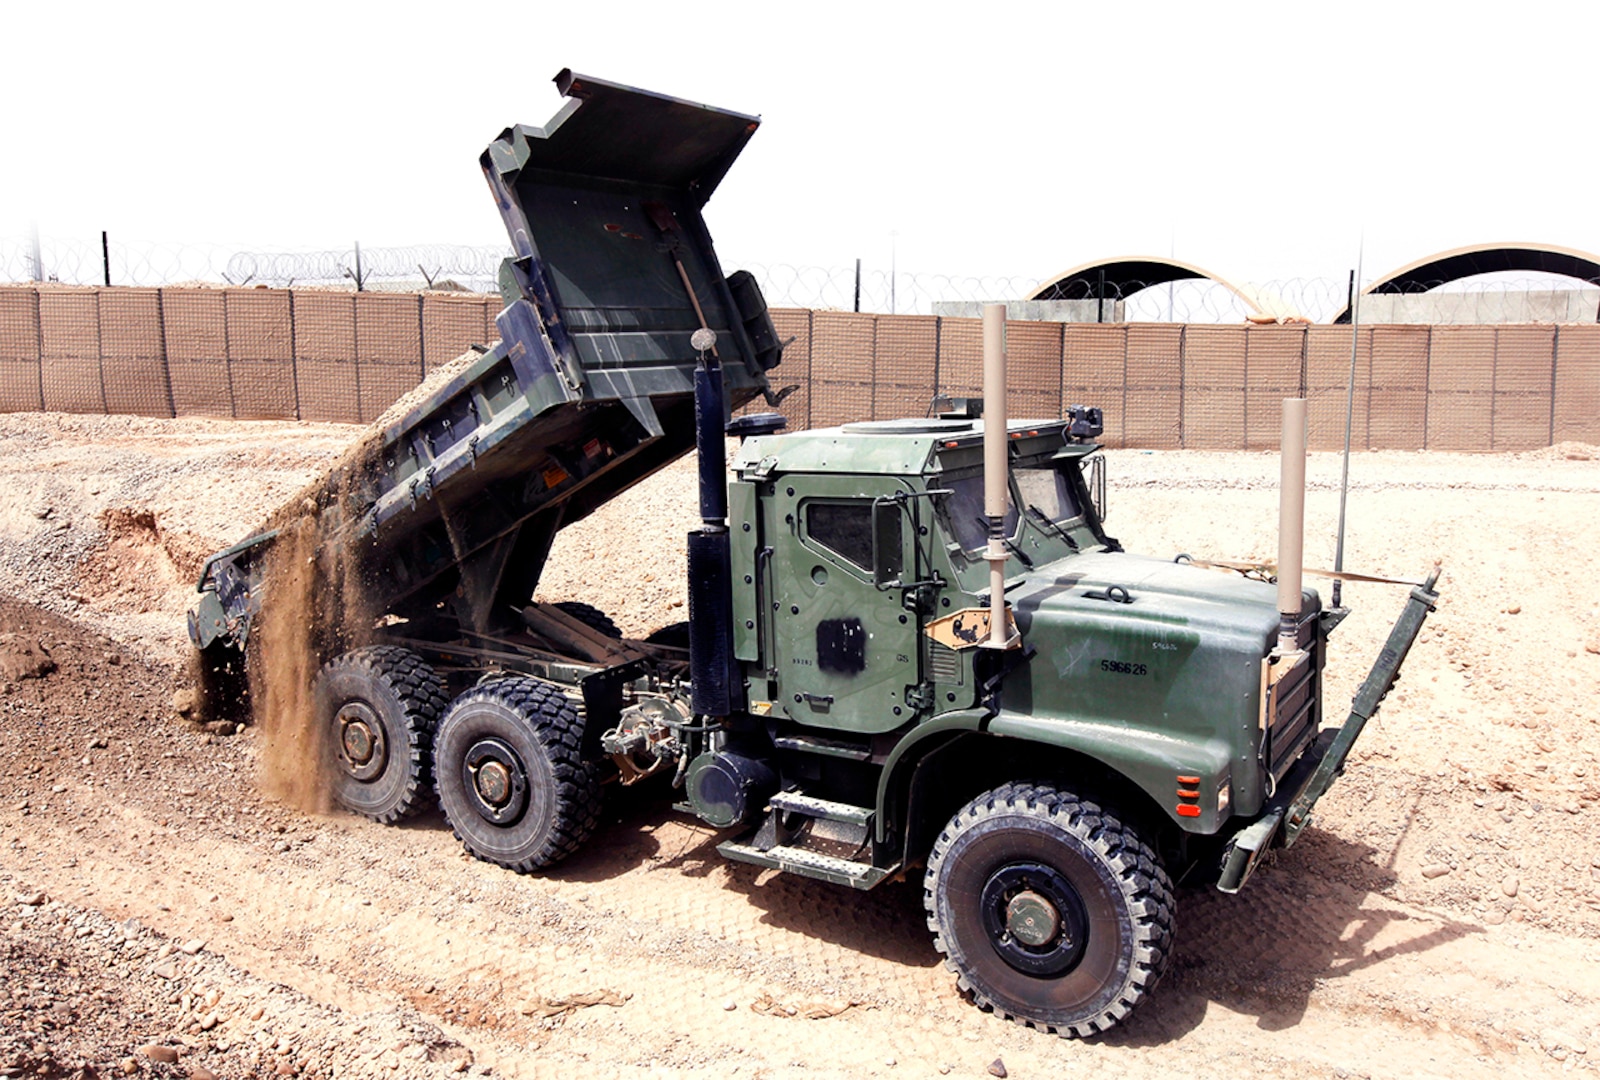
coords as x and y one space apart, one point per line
1192 781
1188 810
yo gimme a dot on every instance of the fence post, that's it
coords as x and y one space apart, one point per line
1305 349
355 338
166 366
1427 391
811 363
1555 351
1245 393
100 353
294 355
227 358
1183 382
422 343
38 339
1061 371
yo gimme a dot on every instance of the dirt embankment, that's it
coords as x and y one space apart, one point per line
1442 917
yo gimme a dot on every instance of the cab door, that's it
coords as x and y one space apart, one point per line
845 650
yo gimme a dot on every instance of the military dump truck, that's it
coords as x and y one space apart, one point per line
911 643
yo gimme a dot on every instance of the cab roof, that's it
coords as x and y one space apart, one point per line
908 447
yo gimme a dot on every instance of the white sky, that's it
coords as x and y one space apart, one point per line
1261 141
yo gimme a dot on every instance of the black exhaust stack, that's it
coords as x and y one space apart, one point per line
716 688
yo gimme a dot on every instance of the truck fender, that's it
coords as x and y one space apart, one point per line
1151 761
895 778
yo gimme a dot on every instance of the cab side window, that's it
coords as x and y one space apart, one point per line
845 528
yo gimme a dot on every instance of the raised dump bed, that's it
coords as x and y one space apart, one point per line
444 514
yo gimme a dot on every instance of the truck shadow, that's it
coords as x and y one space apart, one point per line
1308 918
887 923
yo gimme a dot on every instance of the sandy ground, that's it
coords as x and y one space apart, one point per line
1441 919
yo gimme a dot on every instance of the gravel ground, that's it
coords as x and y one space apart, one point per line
1440 919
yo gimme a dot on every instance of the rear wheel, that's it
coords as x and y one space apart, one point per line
675 635
378 708
1049 910
590 616
511 780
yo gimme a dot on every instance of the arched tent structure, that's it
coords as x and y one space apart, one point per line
1463 262
1118 279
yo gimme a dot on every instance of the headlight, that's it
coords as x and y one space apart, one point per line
1224 797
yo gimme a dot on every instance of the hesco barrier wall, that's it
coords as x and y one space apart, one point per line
329 355
250 354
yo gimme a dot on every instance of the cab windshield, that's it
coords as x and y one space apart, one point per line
1047 491
1044 491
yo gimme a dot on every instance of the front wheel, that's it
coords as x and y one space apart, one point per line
512 782
1049 910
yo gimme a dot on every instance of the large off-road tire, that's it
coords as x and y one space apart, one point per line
377 708
590 616
1049 910
511 781
675 635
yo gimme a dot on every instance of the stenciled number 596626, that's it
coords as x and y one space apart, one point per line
1120 667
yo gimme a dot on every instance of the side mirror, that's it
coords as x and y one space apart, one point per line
1094 478
888 552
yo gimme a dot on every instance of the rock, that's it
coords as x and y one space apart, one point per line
98 743
190 948
258 1012
1514 609
165 970
33 899
997 1068
184 701
1434 870
208 1021
200 1072
22 658
164 1054
128 1066
729 1005
1592 645
1510 885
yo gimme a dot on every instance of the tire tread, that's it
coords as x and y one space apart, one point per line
559 730
421 694
1146 888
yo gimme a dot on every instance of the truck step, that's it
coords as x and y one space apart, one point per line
794 802
807 864
810 744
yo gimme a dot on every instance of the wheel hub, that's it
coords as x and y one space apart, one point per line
1034 918
362 750
496 781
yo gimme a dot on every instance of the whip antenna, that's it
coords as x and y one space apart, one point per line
1349 415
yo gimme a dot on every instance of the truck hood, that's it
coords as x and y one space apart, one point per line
1159 594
